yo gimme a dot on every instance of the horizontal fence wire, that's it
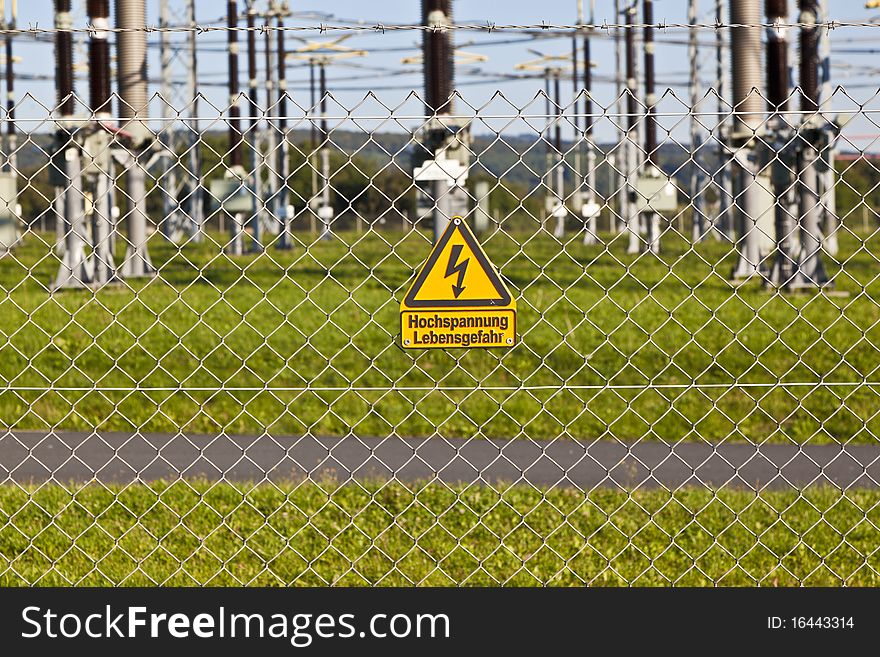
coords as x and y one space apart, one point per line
487 26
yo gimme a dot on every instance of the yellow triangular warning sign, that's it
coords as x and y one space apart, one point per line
457 274
458 298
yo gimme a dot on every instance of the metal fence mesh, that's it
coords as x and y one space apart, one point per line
243 413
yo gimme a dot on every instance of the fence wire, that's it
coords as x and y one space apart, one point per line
202 380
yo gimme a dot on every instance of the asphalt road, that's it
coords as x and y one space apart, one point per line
119 457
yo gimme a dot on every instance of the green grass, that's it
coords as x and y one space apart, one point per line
198 533
316 327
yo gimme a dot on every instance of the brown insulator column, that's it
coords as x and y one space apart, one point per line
99 57
777 55
439 69
10 95
64 58
235 140
650 83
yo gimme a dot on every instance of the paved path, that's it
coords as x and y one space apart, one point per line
119 457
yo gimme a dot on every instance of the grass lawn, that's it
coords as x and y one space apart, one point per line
304 340
189 533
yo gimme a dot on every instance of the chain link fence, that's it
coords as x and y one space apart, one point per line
203 380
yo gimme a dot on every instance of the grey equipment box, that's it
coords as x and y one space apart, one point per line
656 193
232 195
9 222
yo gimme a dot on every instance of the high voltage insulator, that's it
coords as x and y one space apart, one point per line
64 57
746 65
439 67
12 159
131 46
131 55
235 142
650 82
777 55
809 51
99 57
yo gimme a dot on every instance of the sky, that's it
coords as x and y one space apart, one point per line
854 51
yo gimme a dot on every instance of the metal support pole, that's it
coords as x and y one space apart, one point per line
547 174
104 266
273 215
442 191
235 172
253 135
236 232
313 149
197 206
76 269
697 180
12 144
559 209
170 223
722 178
632 165
326 209
828 174
235 143
137 260
587 207
621 161
652 219
284 207
577 173
591 235
61 226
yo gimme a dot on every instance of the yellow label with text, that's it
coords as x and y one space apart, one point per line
442 329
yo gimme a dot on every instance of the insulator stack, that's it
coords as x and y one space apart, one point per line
235 138
439 67
631 84
809 64
252 65
746 66
64 57
99 57
282 78
777 54
650 82
131 65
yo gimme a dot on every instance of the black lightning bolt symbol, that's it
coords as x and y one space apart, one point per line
460 269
